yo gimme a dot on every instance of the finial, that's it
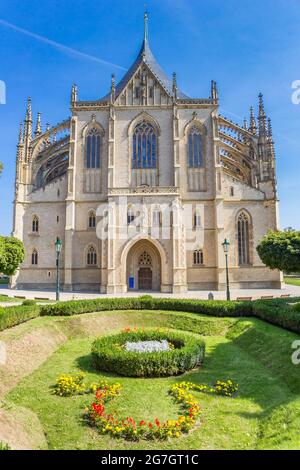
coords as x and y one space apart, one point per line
38 127
29 110
146 18
175 85
262 116
253 127
214 91
270 130
113 88
47 127
245 124
74 94
21 141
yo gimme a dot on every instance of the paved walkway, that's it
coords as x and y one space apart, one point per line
293 291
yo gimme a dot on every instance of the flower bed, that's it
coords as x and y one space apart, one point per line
129 428
186 353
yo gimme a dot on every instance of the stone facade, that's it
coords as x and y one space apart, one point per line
229 192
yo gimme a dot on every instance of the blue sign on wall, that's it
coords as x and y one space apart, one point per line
131 283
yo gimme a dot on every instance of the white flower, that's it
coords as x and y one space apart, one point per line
147 346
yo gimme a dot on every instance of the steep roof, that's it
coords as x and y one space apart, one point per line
146 56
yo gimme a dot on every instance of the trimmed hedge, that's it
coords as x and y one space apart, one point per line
278 314
12 316
277 311
109 354
215 308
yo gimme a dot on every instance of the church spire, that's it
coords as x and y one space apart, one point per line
146 33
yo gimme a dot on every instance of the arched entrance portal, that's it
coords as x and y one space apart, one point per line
143 267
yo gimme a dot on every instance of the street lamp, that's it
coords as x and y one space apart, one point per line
226 245
58 246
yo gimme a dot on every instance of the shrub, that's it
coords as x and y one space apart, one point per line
279 314
29 302
4 446
109 354
12 316
216 308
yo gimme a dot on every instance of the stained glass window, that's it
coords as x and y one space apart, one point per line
93 149
34 258
243 239
92 219
195 148
35 224
198 257
144 154
91 256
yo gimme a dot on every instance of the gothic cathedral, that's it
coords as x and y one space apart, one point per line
142 187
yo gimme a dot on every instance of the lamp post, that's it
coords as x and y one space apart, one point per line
226 245
58 246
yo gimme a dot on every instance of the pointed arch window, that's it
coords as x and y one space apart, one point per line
243 229
144 146
92 219
35 224
130 215
34 258
198 257
93 148
91 256
195 148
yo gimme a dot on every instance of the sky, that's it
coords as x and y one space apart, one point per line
246 46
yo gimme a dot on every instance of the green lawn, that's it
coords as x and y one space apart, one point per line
3 298
265 414
292 281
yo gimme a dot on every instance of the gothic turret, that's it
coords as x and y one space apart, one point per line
253 126
28 130
20 146
214 91
74 94
262 118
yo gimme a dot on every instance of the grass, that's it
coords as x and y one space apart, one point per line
265 414
3 298
292 281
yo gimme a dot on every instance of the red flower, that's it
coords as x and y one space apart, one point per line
143 423
150 425
157 422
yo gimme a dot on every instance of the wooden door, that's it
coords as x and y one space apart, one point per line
145 279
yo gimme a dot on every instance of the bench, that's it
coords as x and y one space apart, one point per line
41 298
267 297
244 299
19 297
285 296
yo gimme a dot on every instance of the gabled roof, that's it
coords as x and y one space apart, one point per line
146 56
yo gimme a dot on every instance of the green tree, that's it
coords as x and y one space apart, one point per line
1 168
12 254
281 250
